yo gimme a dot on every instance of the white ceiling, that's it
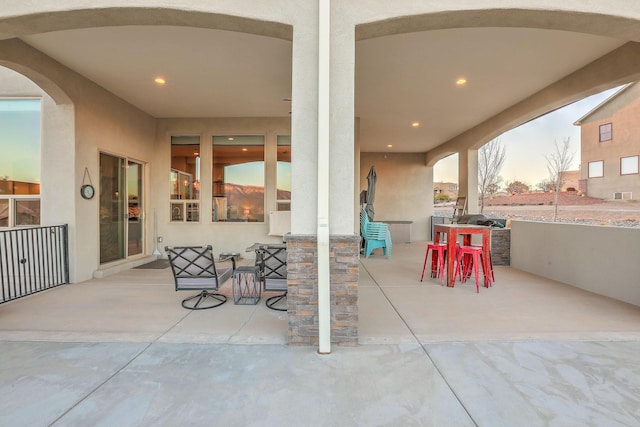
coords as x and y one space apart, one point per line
399 79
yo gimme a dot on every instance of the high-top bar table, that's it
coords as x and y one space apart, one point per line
452 231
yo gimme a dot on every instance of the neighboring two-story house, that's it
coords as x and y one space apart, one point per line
610 147
449 189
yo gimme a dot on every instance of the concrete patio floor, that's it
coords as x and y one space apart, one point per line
121 351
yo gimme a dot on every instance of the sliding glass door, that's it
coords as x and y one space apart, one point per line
121 208
134 204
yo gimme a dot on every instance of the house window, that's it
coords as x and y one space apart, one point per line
20 162
238 178
596 169
629 165
27 212
606 132
184 179
283 188
4 212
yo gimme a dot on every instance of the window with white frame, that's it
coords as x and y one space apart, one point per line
629 165
283 187
606 132
185 179
20 135
596 169
4 212
238 178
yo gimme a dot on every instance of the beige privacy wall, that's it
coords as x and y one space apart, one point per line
404 189
603 260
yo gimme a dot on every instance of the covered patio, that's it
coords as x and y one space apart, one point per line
121 350
403 116
140 305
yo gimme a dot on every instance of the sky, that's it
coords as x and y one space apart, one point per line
20 140
527 145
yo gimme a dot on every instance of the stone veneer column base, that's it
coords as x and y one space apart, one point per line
501 246
302 294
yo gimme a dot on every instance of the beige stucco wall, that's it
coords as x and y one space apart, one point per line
224 236
603 260
376 19
353 21
103 122
72 137
404 189
57 153
623 112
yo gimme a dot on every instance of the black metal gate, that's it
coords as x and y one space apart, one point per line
32 260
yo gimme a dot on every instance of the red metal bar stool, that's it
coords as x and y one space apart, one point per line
487 257
440 250
462 267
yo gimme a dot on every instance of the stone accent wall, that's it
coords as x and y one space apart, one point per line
501 246
302 294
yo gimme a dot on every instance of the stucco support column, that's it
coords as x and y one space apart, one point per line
304 127
468 178
342 132
428 189
305 255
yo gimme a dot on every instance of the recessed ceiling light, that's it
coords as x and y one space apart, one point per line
244 149
389 145
415 124
461 81
160 81
230 138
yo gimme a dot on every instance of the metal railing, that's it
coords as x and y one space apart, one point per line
32 260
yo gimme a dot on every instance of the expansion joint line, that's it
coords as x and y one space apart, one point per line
122 368
424 349
244 324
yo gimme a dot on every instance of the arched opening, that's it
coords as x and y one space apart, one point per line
225 75
451 81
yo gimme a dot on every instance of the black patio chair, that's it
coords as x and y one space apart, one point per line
272 261
193 269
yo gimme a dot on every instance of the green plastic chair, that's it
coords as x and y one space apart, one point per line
375 234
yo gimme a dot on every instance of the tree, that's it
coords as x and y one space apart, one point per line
490 160
517 187
545 185
558 163
441 198
494 188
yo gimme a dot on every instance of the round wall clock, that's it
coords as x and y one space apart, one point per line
87 191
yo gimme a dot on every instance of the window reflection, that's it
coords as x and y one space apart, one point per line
283 196
27 212
238 178
4 212
185 178
20 142
20 162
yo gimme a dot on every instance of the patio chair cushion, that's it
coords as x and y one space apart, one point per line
194 268
272 260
